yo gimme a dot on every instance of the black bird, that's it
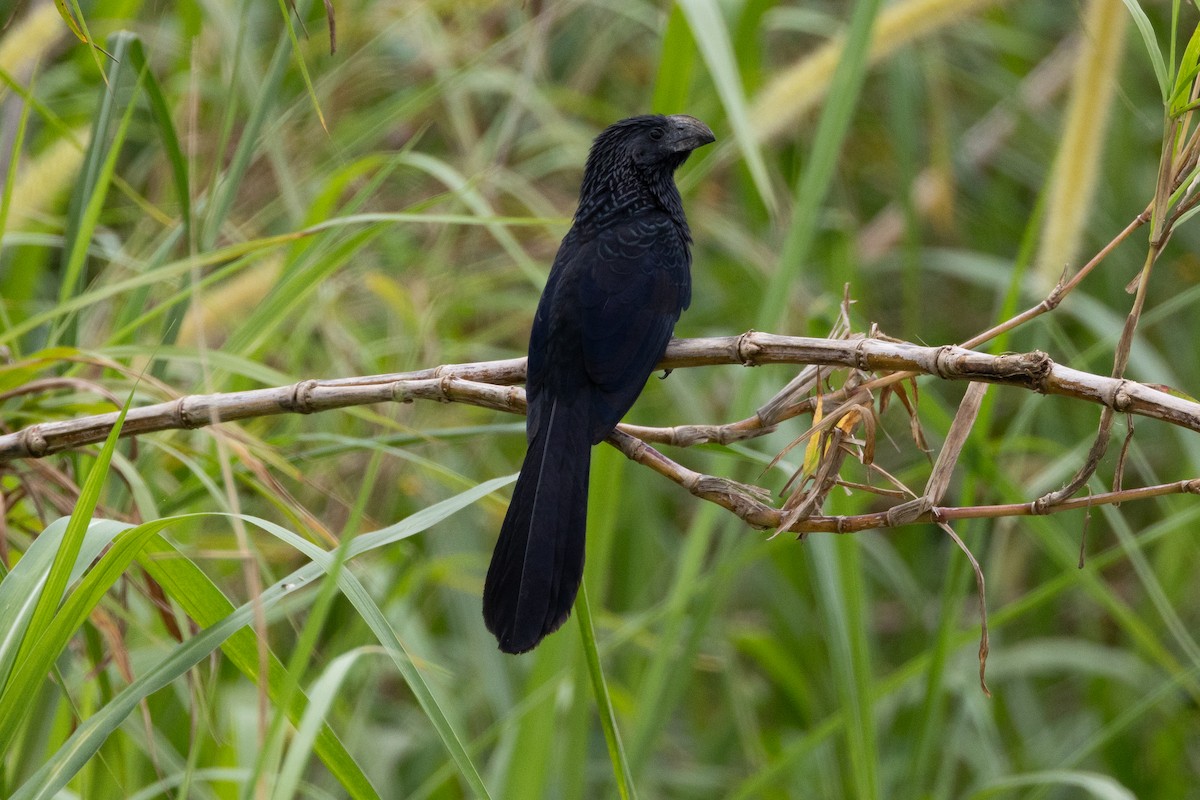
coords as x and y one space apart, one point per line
618 285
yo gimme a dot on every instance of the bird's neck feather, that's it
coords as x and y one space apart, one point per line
611 190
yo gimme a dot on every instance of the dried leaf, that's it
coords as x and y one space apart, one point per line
979 587
1119 471
815 448
960 429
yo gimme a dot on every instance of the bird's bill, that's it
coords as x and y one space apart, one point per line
688 133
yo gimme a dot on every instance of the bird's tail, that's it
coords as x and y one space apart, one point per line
538 561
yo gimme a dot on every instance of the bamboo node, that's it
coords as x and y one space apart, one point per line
190 421
34 442
1121 399
861 361
747 350
300 399
941 362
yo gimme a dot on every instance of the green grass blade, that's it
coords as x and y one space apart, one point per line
23 586
813 186
1161 70
32 657
814 182
479 206
1184 637
97 153
301 747
300 65
1090 783
321 697
538 734
676 64
14 160
225 193
249 250
188 586
1079 162
83 744
604 706
122 87
1189 68
227 628
837 574
295 286
173 152
685 621
403 660
375 619
712 38
161 112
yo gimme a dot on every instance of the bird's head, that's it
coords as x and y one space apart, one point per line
651 142
633 160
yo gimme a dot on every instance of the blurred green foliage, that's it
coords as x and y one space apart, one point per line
217 202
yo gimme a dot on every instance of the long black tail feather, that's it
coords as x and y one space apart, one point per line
538 561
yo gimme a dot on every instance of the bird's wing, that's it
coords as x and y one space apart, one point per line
634 281
554 336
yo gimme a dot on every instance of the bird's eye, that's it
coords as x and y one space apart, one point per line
656 133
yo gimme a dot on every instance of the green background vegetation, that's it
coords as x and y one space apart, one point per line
151 225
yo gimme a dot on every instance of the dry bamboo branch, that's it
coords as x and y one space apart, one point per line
490 384
943 468
937 514
1173 170
749 502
